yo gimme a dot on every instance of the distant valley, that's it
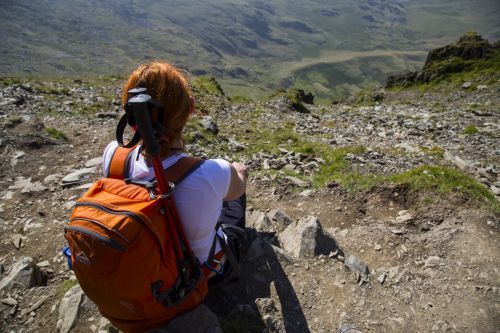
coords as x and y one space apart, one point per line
251 47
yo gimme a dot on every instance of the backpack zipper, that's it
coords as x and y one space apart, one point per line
92 234
102 226
135 217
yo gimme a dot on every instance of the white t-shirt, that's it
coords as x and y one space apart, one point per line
198 197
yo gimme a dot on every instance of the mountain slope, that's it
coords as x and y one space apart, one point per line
246 44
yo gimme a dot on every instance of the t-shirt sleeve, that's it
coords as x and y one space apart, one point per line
219 172
107 156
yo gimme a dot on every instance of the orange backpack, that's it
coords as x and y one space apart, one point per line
123 254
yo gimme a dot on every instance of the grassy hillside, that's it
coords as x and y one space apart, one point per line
250 46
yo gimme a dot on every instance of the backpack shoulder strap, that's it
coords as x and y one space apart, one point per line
182 169
120 162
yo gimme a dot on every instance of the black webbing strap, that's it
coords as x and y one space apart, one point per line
120 129
177 292
226 249
211 253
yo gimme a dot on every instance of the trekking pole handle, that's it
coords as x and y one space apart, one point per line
139 106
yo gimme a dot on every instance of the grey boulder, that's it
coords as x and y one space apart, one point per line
24 274
280 217
209 125
306 238
258 220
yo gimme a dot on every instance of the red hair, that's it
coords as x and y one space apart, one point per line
169 87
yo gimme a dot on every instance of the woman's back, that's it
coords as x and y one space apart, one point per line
198 198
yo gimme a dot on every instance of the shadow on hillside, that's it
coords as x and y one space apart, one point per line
243 306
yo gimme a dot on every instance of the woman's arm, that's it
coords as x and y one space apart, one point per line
237 185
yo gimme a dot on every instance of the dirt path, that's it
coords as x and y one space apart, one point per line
333 57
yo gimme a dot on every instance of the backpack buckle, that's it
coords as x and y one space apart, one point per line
167 195
213 268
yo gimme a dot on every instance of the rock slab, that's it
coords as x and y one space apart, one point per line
24 273
280 217
306 238
68 309
258 220
356 265
78 175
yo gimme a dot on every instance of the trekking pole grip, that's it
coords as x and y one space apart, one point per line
143 121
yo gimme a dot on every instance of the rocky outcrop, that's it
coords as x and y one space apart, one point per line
470 46
303 97
445 60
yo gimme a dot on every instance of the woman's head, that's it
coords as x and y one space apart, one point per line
169 88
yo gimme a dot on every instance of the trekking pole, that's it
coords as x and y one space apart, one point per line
143 122
145 128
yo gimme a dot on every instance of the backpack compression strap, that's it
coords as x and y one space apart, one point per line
120 163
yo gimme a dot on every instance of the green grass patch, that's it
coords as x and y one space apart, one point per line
258 112
205 84
364 97
55 133
10 81
435 151
51 90
471 130
12 121
446 180
241 99
428 200
63 288
193 125
268 140
439 179
337 169
52 98
473 107
92 109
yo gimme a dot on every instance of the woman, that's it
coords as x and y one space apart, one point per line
199 197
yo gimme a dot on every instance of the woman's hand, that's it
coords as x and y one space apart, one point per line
241 170
237 186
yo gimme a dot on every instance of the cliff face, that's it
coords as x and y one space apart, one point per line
454 58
